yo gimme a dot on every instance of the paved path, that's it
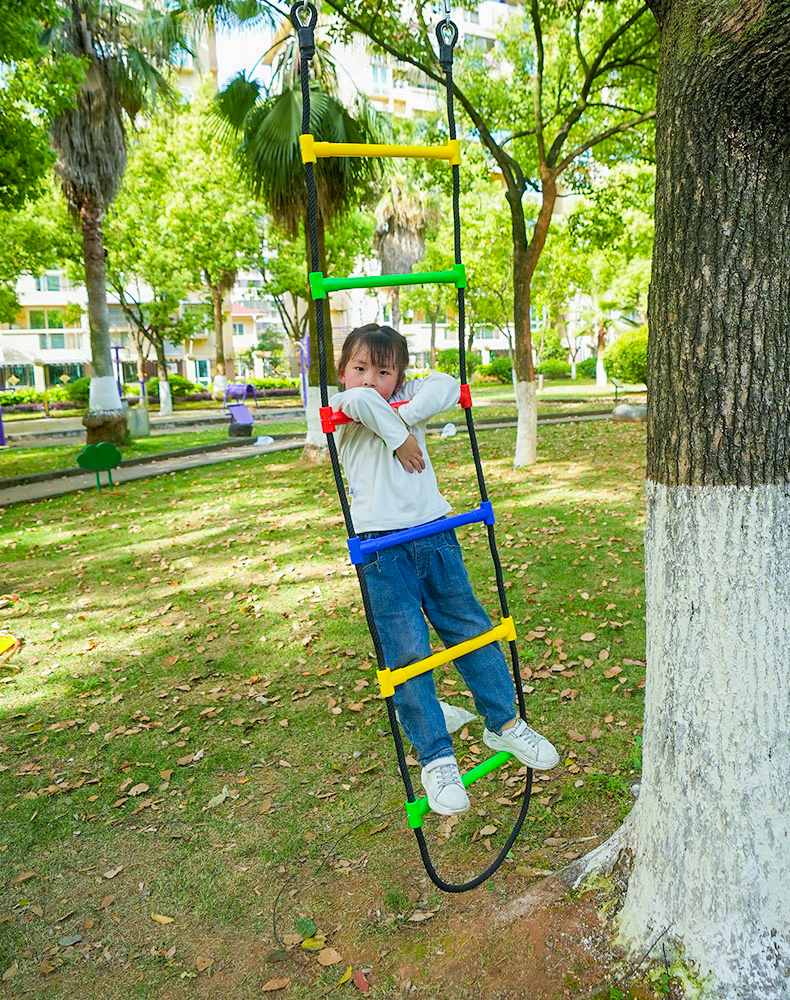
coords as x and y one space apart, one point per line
45 432
58 486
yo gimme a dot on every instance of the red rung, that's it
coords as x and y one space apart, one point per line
466 396
327 419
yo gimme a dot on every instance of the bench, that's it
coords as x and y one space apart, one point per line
239 391
617 386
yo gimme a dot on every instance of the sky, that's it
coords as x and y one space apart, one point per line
240 50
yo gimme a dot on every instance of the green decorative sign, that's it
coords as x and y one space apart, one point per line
99 457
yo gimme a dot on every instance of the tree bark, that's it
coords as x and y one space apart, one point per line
315 449
600 347
165 396
433 342
710 830
105 420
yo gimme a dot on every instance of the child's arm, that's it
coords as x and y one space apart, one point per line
429 396
368 407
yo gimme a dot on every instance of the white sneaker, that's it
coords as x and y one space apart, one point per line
441 779
525 744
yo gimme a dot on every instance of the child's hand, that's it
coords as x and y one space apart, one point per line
410 455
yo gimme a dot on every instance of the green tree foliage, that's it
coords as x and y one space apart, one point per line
626 358
282 263
33 87
569 79
449 361
123 50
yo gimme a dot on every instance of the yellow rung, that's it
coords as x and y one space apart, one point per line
312 150
389 679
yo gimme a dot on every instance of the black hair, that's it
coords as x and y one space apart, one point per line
386 346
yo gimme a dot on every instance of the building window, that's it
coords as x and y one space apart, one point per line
238 329
49 283
54 373
117 317
201 370
471 16
24 373
380 78
51 341
46 319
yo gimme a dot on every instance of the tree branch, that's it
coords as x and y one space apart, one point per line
538 96
622 127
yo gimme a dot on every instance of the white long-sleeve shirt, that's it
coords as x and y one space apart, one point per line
384 496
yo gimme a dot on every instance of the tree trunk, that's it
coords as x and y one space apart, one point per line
524 371
220 381
105 420
710 830
315 441
600 372
395 296
433 341
165 396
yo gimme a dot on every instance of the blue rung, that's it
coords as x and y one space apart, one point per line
358 549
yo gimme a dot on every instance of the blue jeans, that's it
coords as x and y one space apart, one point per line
428 575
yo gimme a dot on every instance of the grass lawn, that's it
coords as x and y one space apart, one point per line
194 764
16 461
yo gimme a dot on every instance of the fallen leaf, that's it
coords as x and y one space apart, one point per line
22 877
595 733
202 963
613 671
13 968
555 841
218 799
314 943
379 828
603 655
576 737
345 977
419 915
305 927
139 788
161 919
360 982
113 872
290 940
107 901
275 984
328 956
587 637
70 940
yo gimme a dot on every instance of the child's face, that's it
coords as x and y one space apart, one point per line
361 372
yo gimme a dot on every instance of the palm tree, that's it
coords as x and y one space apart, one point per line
123 50
268 126
402 216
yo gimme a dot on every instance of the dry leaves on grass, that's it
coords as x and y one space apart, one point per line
278 983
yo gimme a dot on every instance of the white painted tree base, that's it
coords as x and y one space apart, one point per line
709 835
103 395
165 399
218 387
315 449
601 378
527 424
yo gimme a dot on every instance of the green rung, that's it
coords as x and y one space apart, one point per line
417 809
319 285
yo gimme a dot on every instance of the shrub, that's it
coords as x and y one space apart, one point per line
275 383
179 386
626 358
586 368
449 362
500 369
554 368
78 390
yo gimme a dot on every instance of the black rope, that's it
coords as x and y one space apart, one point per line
447 30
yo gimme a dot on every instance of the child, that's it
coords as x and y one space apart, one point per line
393 486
